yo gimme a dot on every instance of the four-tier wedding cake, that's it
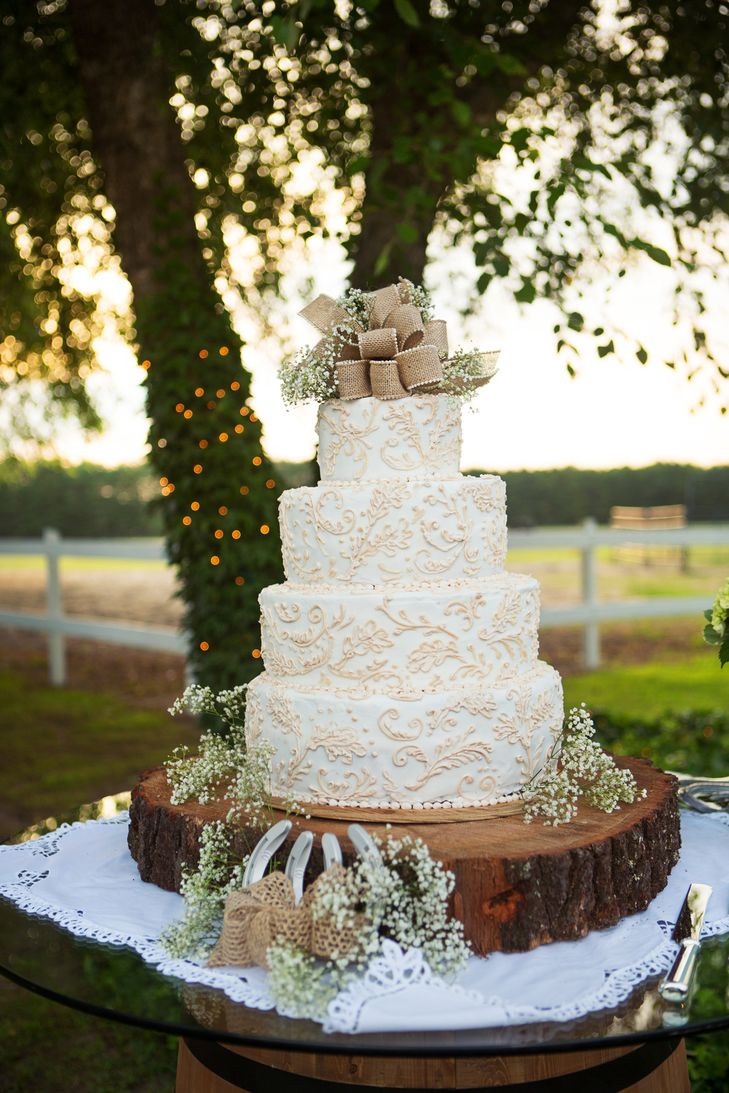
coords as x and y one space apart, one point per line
401 660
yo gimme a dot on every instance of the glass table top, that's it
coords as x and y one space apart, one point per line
114 982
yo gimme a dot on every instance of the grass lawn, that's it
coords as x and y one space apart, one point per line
63 747
649 690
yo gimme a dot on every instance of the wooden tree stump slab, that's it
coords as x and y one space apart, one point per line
517 885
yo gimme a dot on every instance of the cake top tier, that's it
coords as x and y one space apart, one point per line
417 437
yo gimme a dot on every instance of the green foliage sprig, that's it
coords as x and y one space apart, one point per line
716 631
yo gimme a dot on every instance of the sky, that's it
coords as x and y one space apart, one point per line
616 412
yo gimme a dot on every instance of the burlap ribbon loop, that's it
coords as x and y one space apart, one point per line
266 912
398 354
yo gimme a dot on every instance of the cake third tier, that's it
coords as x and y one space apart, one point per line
397 640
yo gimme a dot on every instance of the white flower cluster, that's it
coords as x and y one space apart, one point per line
205 890
720 610
404 897
578 767
307 377
225 768
459 372
301 985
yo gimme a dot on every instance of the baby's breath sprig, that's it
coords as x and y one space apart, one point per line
205 890
301 985
224 768
459 372
578 767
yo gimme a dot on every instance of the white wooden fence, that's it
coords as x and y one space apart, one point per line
585 538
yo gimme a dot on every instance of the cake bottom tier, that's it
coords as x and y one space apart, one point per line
472 746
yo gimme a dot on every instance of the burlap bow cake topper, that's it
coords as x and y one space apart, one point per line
267 912
396 354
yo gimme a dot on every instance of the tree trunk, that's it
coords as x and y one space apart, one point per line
219 496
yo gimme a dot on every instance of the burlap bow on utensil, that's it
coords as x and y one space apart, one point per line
265 912
396 355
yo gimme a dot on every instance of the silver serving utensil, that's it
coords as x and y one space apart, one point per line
331 850
676 985
297 861
264 850
363 842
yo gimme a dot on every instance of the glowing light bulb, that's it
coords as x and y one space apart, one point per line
240 429
195 505
256 461
222 437
222 511
256 654
219 533
187 414
270 483
203 354
215 560
198 468
180 407
202 444
220 393
235 386
235 534
224 351
199 391
244 491
187 520
265 529
204 646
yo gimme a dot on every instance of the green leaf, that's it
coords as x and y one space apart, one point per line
575 321
708 614
642 355
656 253
724 651
572 372
407 13
710 635
526 294
407 232
603 350
461 112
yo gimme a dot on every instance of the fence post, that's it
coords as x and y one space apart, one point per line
591 633
54 609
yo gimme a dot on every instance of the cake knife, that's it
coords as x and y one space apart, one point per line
331 850
363 842
676 985
264 850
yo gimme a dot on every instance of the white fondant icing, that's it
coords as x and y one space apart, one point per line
399 641
474 744
371 439
396 532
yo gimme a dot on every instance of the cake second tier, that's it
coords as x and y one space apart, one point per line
405 532
465 746
396 640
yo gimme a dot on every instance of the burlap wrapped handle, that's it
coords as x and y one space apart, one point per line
267 912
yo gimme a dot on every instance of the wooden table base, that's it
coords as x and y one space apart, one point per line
658 1066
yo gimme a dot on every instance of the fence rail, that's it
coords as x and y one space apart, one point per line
589 613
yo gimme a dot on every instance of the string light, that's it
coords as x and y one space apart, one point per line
161 443
256 654
180 407
244 491
220 393
211 405
203 354
204 646
222 511
235 386
253 417
270 483
219 533
163 481
240 429
264 529
240 580
199 391
198 468
187 520
195 505
146 365
202 444
215 560
222 437
244 411
256 461
224 351
235 534
187 414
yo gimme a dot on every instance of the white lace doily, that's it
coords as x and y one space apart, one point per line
84 878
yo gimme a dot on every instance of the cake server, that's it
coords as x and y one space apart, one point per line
298 861
264 850
363 842
331 850
676 985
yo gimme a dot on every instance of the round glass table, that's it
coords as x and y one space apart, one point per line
638 1045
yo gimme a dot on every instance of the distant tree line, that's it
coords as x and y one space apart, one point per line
92 501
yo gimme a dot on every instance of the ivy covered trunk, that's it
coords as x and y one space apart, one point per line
218 493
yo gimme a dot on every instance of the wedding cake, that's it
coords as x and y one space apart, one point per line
401 660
